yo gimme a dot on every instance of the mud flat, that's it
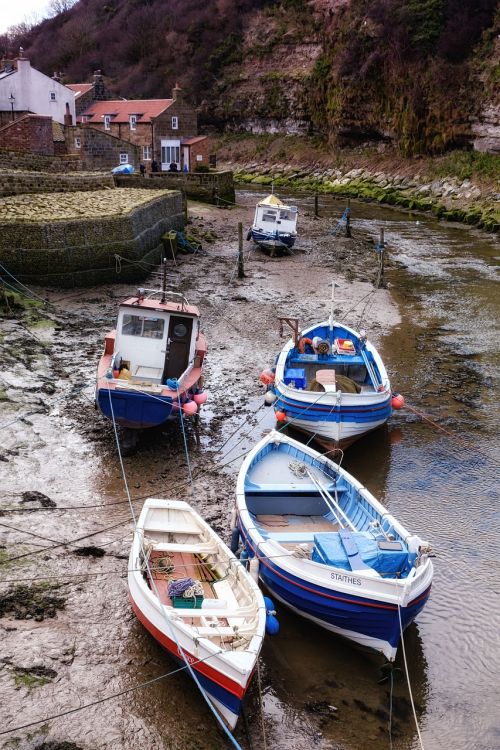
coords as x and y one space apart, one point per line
86 237
69 636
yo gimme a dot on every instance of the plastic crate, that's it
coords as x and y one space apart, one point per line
187 602
295 377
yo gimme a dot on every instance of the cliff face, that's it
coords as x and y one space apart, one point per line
420 74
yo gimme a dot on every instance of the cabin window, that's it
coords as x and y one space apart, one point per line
138 325
286 215
269 216
180 330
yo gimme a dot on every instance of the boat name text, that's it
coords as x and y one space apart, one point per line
346 579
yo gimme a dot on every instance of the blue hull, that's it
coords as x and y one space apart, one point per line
336 610
135 410
364 415
273 240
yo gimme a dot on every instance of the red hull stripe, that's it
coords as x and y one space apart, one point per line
317 592
201 666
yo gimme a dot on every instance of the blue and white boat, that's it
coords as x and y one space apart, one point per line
326 548
275 225
330 382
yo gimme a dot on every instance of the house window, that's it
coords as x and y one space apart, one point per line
107 122
147 153
175 123
52 96
84 118
78 142
133 122
123 158
199 157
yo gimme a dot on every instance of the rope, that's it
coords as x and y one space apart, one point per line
184 437
261 706
153 584
408 678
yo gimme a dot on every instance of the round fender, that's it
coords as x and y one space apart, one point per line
301 346
235 540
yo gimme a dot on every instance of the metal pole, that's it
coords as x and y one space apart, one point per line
316 207
164 282
381 245
348 219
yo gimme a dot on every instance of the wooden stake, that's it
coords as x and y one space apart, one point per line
316 207
381 247
241 270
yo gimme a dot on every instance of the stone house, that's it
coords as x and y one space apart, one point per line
25 90
88 93
165 130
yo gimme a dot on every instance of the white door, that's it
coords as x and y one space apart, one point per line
185 156
170 153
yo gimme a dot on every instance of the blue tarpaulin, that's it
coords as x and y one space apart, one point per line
123 169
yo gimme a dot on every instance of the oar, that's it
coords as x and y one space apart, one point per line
329 500
371 371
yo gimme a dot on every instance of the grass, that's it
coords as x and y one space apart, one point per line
464 165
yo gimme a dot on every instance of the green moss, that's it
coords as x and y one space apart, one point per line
29 681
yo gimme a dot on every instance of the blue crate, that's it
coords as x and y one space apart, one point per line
295 377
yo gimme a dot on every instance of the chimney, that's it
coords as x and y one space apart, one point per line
68 118
99 88
177 93
56 77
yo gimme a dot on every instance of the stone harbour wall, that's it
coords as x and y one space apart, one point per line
10 159
111 237
19 182
209 187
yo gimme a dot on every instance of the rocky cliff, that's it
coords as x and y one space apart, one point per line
419 74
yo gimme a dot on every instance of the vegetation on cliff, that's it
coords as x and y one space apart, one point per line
411 72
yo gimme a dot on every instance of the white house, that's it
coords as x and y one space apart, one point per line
24 89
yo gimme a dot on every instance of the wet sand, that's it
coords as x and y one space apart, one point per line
69 636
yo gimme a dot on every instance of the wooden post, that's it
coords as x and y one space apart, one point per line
380 248
241 270
316 207
348 219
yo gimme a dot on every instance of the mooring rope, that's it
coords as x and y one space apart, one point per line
408 678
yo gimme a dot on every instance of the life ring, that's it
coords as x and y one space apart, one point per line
302 344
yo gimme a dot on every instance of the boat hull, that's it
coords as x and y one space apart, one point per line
332 420
135 410
226 694
368 622
273 241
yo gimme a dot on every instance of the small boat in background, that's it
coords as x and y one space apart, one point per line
327 548
152 362
274 226
197 600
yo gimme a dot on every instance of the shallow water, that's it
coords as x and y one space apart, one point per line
316 690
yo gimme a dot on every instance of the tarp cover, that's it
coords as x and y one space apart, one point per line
329 550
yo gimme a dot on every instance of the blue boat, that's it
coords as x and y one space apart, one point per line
330 382
326 548
275 225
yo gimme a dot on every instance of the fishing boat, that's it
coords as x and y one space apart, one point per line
330 382
196 599
152 363
275 225
326 548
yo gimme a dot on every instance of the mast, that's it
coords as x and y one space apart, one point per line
164 281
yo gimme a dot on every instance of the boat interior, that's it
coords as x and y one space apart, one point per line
177 547
314 513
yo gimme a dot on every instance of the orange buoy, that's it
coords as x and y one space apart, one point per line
397 401
280 416
302 344
267 377
190 408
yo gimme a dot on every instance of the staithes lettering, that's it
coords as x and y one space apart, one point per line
346 578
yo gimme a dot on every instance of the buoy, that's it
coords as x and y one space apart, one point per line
272 624
269 398
253 569
235 540
397 401
200 398
190 408
267 377
280 416
244 558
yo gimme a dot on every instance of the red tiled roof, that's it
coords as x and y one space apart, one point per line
145 109
79 88
193 140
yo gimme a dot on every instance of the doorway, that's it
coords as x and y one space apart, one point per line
178 345
185 158
170 152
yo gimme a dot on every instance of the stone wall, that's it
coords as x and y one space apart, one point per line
32 133
17 182
209 187
10 159
99 149
80 251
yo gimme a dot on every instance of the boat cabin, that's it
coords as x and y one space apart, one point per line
273 216
155 340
